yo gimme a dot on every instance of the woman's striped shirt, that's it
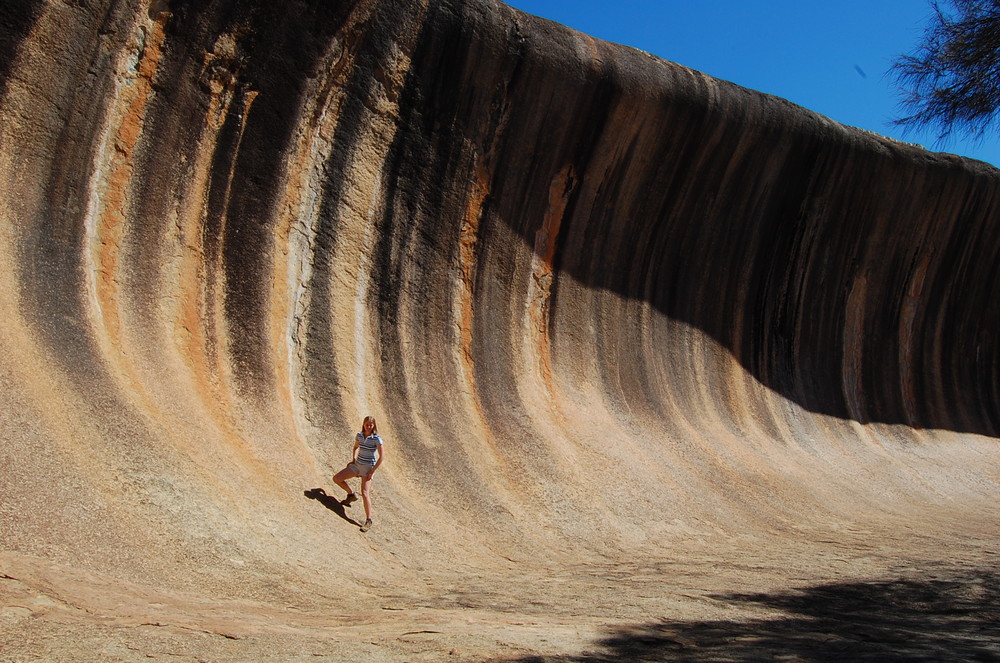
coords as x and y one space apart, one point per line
367 447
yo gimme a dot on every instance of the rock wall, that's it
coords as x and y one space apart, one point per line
597 301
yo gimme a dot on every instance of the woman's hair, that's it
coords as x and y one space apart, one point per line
374 425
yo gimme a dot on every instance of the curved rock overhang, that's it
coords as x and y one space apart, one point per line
570 279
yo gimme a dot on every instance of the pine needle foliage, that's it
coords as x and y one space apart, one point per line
951 82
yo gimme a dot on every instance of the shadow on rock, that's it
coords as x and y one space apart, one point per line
952 617
331 503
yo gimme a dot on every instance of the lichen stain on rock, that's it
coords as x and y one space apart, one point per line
907 328
115 175
116 169
543 271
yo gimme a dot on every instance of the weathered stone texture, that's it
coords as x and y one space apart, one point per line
598 301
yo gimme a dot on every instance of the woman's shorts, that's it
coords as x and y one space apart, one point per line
360 469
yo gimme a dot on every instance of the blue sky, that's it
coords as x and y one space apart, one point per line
830 56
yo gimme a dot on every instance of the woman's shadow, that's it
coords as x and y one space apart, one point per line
331 503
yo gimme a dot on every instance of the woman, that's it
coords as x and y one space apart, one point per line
363 464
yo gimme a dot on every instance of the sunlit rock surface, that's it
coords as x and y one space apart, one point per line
605 309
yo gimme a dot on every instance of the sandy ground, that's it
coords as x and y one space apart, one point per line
870 596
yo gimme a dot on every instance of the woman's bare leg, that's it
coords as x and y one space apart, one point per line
365 483
341 477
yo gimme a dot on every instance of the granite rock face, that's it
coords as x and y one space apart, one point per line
597 301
